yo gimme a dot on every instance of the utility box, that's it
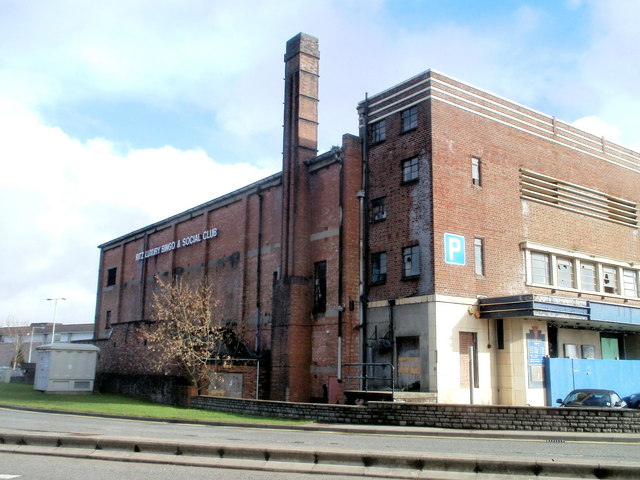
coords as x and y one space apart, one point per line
65 368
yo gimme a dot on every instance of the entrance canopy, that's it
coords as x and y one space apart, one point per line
574 312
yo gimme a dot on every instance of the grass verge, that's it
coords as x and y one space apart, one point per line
20 395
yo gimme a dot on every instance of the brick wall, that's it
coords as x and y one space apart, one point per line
474 417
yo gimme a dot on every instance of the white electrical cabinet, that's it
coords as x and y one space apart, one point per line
65 367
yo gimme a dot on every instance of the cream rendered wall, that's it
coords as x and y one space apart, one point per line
513 372
535 397
454 315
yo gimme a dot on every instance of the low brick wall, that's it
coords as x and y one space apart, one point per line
474 417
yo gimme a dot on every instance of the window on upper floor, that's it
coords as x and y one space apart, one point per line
111 276
409 119
556 268
107 323
378 267
564 272
630 283
540 263
320 287
378 209
588 276
411 261
378 131
478 250
410 170
610 279
475 171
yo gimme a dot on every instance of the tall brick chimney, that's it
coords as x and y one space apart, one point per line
293 290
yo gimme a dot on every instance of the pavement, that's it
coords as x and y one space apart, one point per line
308 460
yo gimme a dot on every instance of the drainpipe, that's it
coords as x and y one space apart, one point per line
364 234
258 339
340 266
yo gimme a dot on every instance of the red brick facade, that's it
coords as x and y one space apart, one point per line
434 157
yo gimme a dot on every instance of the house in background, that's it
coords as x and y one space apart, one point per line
36 334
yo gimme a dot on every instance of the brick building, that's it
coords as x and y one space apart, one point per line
460 239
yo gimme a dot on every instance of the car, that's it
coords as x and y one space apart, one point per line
592 397
633 400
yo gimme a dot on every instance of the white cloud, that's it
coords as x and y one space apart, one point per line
61 198
597 126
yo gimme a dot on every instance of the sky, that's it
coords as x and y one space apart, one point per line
115 115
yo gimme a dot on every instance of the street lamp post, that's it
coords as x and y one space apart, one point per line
55 306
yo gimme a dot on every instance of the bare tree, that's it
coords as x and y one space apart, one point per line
185 332
17 331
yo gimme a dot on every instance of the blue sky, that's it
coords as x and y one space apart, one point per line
114 115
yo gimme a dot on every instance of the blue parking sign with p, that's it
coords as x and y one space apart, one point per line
454 249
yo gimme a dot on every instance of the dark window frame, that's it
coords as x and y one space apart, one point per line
112 274
409 119
378 132
378 209
378 267
411 255
320 287
410 170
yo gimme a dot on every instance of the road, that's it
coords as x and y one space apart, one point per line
384 440
371 445
14 466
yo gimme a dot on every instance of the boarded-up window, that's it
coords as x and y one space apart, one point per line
468 339
408 367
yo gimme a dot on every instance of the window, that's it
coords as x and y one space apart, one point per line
564 272
409 119
478 250
379 267
540 268
111 276
107 323
630 283
588 277
475 171
410 170
610 279
320 287
378 132
411 261
581 272
378 209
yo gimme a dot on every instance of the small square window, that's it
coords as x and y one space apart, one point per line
378 209
409 119
475 171
378 132
411 261
379 267
111 276
410 170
